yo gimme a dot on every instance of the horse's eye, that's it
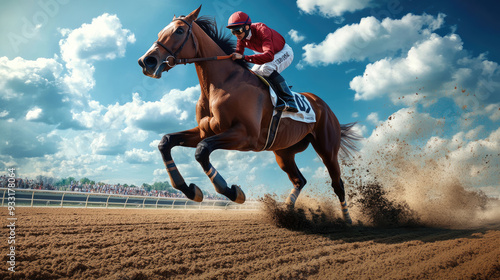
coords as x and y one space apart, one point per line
179 31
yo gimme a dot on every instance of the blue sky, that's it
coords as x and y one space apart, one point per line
420 77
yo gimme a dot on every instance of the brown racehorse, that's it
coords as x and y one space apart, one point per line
234 112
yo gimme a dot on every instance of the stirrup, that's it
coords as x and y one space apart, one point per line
286 108
289 108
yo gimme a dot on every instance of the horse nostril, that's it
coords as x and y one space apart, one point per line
141 63
150 62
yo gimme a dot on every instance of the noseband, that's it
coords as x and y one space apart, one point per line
173 55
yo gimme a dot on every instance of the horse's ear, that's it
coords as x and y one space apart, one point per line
194 14
174 17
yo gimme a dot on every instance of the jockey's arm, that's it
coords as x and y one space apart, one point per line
267 55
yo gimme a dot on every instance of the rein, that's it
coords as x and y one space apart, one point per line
173 55
198 59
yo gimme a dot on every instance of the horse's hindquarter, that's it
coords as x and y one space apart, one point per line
291 132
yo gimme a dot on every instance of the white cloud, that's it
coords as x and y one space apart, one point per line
24 83
371 39
42 97
33 114
411 64
433 68
154 143
29 72
474 133
161 174
404 125
332 8
62 165
296 37
321 173
492 111
141 156
373 118
104 38
43 82
360 130
26 139
174 111
109 143
475 161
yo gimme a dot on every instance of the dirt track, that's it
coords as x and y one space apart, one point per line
163 244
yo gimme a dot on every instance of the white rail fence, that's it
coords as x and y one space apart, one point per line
42 198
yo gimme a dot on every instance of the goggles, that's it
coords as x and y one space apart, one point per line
238 30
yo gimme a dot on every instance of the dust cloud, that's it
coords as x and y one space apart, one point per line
399 186
416 189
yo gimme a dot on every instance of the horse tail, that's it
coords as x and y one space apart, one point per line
348 139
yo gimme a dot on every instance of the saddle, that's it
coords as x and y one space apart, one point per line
305 114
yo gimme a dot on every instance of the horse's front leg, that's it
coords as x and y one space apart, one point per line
235 138
188 138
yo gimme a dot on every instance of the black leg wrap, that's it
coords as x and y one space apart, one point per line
165 146
202 155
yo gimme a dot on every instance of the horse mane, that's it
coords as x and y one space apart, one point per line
223 40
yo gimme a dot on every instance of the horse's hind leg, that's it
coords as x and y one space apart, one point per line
286 161
338 187
329 156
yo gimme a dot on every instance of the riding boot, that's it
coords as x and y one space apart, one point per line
281 88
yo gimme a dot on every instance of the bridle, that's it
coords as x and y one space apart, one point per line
173 55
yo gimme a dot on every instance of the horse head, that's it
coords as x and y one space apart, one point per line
172 44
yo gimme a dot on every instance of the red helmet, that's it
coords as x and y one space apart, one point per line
238 18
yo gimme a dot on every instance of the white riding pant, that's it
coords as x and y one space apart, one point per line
282 60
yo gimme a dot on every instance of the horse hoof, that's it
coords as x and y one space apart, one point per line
198 195
348 220
289 206
240 195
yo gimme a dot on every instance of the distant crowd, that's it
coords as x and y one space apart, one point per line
95 188
26 184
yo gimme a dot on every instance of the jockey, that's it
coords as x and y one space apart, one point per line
272 57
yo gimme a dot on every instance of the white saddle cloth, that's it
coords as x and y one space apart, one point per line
305 114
